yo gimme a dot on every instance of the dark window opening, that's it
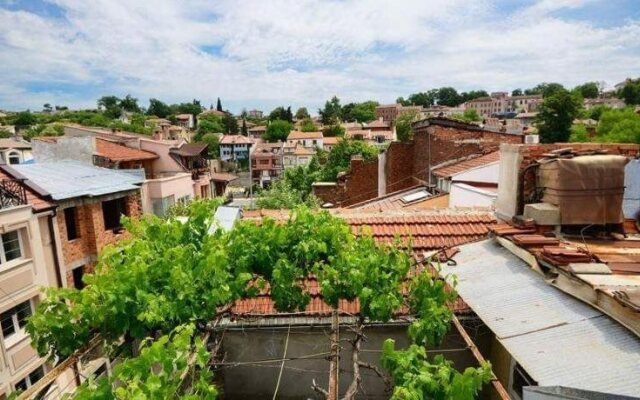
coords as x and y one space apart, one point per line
71 221
112 210
78 273
521 379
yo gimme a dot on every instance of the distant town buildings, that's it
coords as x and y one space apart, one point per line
501 103
390 112
267 163
235 147
254 113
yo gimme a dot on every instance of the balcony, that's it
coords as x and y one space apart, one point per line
12 193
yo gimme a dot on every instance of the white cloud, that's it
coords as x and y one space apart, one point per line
300 52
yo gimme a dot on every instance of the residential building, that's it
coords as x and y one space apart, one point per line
405 165
500 103
178 167
91 201
297 155
378 125
185 121
377 137
254 113
329 142
470 183
236 147
390 112
309 140
612 102
217 113
267 163
441 111
526 118
256 132
28 262
15 150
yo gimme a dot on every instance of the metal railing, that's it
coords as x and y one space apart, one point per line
12 193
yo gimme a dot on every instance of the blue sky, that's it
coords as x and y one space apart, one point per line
260 54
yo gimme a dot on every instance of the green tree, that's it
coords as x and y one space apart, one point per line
4 134
448 96
47 107
588 90
219 105
362 112
24 119
244 131
194 108
619 126
630 93
333 130
302 113
213 144
158 108
308 126
331 112
404 130
473 94
556 115
545 89
339 158
130 104
230 124
469 115
281 113
517 92
277 130
578 134
110 105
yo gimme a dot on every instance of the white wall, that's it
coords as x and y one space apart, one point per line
488 173
463 195
510 159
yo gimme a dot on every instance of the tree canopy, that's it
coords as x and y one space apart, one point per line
277 130
630 93
556 115
158 108
332 111
404 131
302 113
171 274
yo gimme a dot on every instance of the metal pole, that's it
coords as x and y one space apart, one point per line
250 180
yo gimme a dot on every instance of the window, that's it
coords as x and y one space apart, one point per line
14 319
78 273
30 380
112 210
71 221
11 247
14 159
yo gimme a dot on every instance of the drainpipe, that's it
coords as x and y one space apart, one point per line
54 246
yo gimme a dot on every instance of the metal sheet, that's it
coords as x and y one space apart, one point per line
69 179
556 338
514 299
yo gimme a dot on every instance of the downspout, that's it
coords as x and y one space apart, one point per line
54 246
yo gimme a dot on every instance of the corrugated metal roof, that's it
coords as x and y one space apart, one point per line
69 179
556 338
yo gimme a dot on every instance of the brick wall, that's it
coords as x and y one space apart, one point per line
362 181
93 236
399 166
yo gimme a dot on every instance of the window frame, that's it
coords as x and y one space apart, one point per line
28 380
19 332
121 211
3 255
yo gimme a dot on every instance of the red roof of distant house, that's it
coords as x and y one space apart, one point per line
236 139
378 124
221 177
465 165
303 151
183 117
295 135
259 128
37 201
330 140
117 152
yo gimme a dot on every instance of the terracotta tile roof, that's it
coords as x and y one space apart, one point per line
378 124
330 140
11 143
221 177
236 139
296 135
37 201
183 116
465 165
117 152
259 128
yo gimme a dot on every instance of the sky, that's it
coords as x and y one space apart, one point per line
261 54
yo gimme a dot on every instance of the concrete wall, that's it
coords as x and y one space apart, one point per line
178 185
164 163
507 201
66 148
488 173
257 382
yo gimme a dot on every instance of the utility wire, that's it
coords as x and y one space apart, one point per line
284 356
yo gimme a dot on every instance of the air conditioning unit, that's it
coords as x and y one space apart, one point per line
532 139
